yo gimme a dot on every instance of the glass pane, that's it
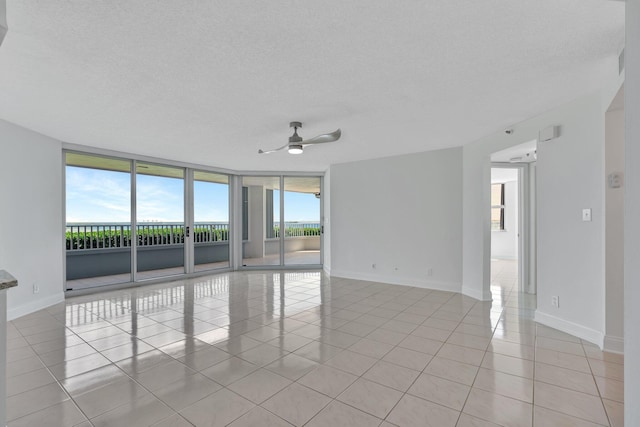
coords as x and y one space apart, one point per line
302 220
160 220
98 220
261 243
211 220
497 218
496 194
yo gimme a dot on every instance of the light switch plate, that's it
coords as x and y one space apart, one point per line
586 214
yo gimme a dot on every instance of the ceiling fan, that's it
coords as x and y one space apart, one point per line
296 144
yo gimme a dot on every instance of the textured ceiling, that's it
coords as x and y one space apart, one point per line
211 82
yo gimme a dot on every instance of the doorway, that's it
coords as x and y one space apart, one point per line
281 221
505 227
513 218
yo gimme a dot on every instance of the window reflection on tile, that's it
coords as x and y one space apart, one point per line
282 347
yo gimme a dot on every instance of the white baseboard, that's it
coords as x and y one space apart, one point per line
614 344
30 307
397 280
481 295
327 270
575 329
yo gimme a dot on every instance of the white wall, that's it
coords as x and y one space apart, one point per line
533 232
632 213
326 221
614 223
504 244
570 252
476 202
31 224
402 213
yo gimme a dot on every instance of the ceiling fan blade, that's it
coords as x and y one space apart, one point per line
274 150
326 137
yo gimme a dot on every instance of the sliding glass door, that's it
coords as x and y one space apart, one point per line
281 227
302 227
160 225
210 220
261 222
133 220
98 220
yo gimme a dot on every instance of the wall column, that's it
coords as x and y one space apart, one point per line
632 215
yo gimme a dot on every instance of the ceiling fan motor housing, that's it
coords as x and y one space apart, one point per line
295 137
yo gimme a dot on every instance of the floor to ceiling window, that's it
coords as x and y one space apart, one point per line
167 220
160 222
98 220
281 227
211 220
261 245
302 229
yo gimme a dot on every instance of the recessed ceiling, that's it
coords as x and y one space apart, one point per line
211 82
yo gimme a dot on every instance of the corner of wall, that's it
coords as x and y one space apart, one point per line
614 344
476 293
402 281
32 306
31 248
591 335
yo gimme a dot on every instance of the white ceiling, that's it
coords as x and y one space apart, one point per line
502 175
210 82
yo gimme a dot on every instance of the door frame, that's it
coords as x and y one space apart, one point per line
526 224
237 264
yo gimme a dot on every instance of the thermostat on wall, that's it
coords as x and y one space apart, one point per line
615 180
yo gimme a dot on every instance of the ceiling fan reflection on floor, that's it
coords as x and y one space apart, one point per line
296 144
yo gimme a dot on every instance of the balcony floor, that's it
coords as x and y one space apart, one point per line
309 257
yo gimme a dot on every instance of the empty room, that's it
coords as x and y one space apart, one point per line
319 214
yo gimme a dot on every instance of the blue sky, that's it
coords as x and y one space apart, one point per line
104 196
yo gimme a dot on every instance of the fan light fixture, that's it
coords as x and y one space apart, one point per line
295 148
296 144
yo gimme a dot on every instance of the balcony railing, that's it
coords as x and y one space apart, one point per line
83 236
297 229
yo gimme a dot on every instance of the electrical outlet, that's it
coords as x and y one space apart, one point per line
373 265
36 289
555 301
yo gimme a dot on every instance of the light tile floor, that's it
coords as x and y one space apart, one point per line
300 348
